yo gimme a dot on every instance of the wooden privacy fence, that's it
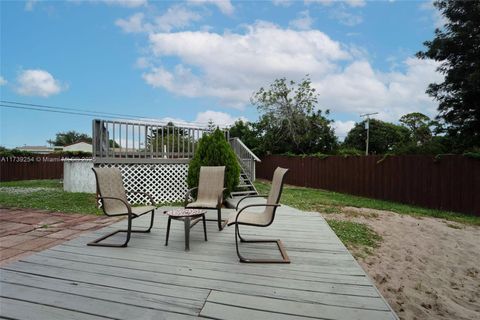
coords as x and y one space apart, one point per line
30 168
448 183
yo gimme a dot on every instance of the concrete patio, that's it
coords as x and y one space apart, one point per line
148 280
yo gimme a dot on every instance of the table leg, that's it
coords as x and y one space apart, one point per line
204 227
187 233
168 230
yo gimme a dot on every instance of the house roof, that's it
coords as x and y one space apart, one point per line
72 144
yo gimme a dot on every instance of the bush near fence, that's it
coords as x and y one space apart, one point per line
449 182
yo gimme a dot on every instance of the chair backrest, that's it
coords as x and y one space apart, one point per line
210 183
275 192
110 184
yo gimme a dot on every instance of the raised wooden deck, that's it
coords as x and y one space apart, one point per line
150 281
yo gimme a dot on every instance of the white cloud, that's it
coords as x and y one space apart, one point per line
225 6
282 3
143 63
232 65
176 17
35 82
126 3
3 81
133 24
359 88
303 21
346 18
218 118
342 128
229 67
438 19
356 3
351 3
29 5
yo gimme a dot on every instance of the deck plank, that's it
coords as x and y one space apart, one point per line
148 280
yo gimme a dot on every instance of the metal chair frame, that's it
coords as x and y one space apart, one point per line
221 222
281 248
131 216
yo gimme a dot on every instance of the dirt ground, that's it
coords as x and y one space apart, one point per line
426 268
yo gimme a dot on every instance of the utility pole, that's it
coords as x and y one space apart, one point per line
367 115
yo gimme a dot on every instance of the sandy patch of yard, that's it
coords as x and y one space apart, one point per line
426 268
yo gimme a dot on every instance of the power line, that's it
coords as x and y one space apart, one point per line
53 111
90 113
70 109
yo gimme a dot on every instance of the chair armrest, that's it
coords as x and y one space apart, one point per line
255 196
129 208
255 205
148 195
220 197
187 194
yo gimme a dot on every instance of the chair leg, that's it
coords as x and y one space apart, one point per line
221 223
168 230
281 248
204 227
129 231
152 217
187 233
98 241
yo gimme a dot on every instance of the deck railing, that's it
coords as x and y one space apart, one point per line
245 157
144 142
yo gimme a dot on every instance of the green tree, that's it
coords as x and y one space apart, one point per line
384 136
291 120
214 150
457 47
248 133
170 137
419 126
69 137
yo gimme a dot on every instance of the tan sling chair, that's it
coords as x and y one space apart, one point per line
113 196
261 219
209 192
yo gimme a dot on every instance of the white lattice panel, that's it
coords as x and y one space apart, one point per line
165 182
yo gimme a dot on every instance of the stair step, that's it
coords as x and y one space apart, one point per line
240 193
244 185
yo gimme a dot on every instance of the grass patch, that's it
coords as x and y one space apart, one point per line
308 199
45 195
354 234
55 184
49 195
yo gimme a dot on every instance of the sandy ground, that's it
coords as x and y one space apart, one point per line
426 268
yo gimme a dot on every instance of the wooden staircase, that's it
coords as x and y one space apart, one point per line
247 159
245 187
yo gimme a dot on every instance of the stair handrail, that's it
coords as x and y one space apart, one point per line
245 157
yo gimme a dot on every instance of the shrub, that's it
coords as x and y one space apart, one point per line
214 150
350 152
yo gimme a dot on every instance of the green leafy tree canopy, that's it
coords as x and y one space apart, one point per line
419 126
457 47
291 120
69 137
384 136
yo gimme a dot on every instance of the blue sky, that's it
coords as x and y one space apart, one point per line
200 60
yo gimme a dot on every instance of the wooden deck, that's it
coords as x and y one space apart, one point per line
150 281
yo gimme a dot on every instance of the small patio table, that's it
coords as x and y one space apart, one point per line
190 218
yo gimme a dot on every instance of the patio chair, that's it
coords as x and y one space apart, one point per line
209 192
261 219
113 197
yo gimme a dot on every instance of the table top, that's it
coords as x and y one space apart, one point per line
185 212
